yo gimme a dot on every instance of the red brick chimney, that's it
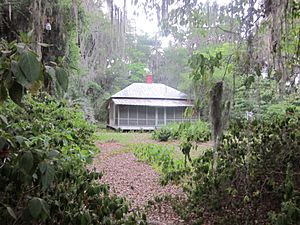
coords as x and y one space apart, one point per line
149 79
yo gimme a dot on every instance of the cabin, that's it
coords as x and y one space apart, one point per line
146 106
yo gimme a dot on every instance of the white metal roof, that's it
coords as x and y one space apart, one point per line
153 102
153 90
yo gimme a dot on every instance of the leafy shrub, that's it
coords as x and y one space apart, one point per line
162 134
176 130
161 157
257 175
198 131
158 155
281 107
44 149
289 213
22 70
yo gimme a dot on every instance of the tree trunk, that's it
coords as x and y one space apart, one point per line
36 26
216 119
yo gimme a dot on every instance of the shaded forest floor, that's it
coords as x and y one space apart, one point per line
135 180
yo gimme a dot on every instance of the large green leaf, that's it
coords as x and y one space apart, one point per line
45 208
2 142
26 161
20 77
47 172
51 71
3 93
16 93
49 75
62 78
30 66
4 119
35 207
53 154
43 167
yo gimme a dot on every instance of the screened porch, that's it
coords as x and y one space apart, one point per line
133 117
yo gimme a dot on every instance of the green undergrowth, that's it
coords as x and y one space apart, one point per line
257 176
45 147
198 131
162 159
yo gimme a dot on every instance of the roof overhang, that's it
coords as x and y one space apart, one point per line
153 102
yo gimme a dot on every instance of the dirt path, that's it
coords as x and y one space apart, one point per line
136 181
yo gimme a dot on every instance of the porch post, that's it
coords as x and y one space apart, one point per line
128 116
174 118
165 115
118 106
113 114
156 117
137 114
147 116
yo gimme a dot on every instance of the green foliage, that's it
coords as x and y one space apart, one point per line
203 66
161 157
137 72
268 104
161 134
290 207
196 131
45 148
280 108
158 155
257 174
21 70
62 78
186 147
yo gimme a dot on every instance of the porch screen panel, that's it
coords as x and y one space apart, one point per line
116 115
142 115
123 109
133 119
179 114
160 116
150 116
170 114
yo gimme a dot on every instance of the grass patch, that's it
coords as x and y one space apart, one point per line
119 151
124 138
195 152
130 139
